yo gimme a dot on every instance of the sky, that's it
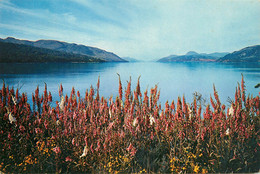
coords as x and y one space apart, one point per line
142 29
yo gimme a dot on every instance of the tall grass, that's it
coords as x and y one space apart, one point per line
130 134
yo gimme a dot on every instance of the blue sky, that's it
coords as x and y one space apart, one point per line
143 29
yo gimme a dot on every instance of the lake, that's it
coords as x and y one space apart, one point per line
173 79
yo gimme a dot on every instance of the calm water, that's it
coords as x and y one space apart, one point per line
173 79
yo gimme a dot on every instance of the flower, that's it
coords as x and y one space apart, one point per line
204 171
57 149
68 159
110 113
133 152
196 169
73 141
135 122
231 111
22 128
152 120
62 103
85 151
131 149
11 118
227 131
58 122
30 160
14 99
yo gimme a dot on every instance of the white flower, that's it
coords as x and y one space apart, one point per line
227 131
231 111
58 122
189 111
135 122
11 118
62 103
152 120
110 113
14 100
85 151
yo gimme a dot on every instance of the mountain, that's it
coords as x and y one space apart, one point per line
167 59
218 55
191 53
21 53
192 56
130 59
248 54
69 48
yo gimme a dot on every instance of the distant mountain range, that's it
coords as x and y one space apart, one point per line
16 50
20 53
193 56
248 54
63 48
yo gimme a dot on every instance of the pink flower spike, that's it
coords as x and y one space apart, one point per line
68 159
133 152
57 149
129 147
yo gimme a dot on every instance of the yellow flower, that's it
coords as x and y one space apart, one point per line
20 164
204 171
126 160
29 160
143 171
196 169
1 165
173 159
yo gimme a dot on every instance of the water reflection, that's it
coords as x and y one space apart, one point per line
53 68
173 79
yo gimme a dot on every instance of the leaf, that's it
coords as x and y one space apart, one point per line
233 160
238 169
